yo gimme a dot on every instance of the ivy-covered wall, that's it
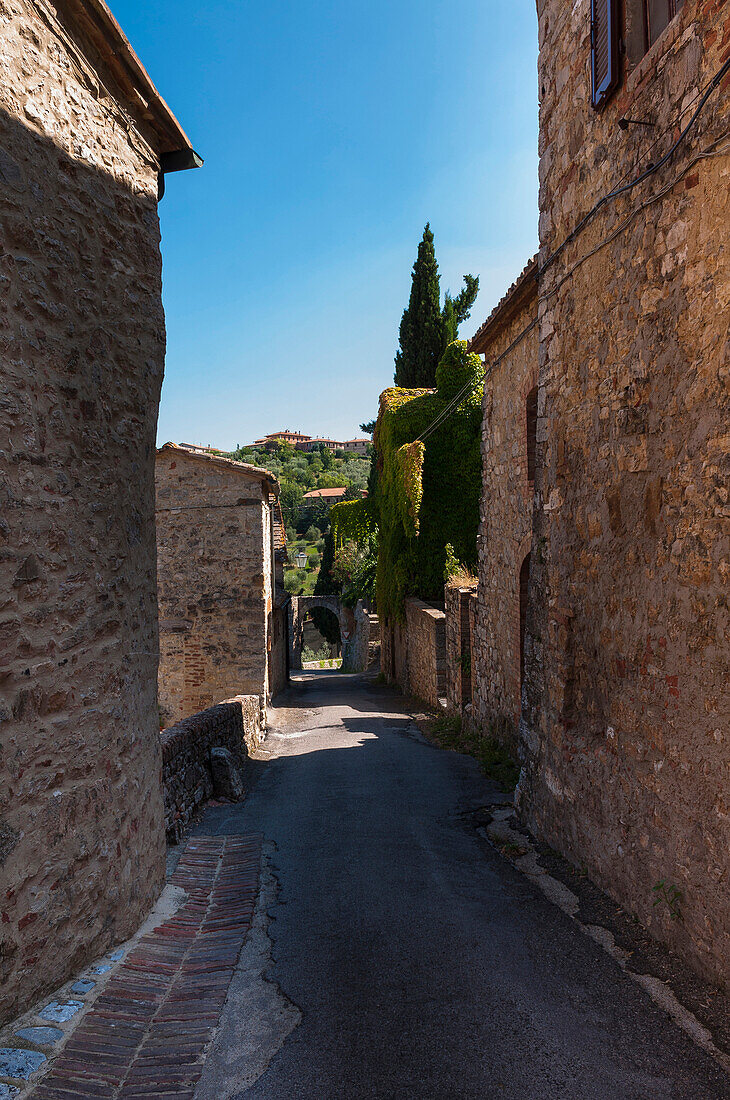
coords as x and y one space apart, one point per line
426 495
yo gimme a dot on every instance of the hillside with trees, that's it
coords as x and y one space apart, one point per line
299 472
307 522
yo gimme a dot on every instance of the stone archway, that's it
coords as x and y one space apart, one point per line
354 630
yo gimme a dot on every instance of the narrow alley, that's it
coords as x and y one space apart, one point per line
395 953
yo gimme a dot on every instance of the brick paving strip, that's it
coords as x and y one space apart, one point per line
147 1033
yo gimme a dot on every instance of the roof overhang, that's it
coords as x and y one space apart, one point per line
522 291
96 22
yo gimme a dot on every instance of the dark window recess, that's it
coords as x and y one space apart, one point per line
524 587
605 45
531 417
658 14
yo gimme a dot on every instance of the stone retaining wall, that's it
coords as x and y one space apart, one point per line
187 779
426 635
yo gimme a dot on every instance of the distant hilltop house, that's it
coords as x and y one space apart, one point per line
281 437
311 443
331 496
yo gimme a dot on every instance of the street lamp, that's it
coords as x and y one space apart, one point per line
302 559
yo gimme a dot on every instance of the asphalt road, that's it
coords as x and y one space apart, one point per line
396 955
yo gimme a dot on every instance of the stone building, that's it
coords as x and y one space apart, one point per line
84 137
222 615
508 485
359 446
625 718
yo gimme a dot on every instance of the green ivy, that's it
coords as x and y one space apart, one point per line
413 533
410 471
352 521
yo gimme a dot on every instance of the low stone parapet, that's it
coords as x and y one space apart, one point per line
187 773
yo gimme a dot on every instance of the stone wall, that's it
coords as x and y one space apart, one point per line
458 647
355 623
505 535
215 570
394 653
626 730
279 650
187 779
82 343
414 652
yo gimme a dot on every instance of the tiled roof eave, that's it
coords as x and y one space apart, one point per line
522 288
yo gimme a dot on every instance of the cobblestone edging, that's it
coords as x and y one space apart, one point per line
187 779
147 1033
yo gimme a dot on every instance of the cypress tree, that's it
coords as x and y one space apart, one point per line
325 622
426 329
421 325
457 310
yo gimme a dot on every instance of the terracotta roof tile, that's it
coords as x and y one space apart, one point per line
503 306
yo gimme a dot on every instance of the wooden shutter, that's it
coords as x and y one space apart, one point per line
604 49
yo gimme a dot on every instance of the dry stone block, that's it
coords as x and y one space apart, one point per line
227 778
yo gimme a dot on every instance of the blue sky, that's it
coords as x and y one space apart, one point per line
332 132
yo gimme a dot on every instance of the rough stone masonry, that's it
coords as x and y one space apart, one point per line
508 480
626 728
82 343
217 587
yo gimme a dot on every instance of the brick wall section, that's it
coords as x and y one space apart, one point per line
215 577
82 343
186 775
505 534
458 648
626 727
472 612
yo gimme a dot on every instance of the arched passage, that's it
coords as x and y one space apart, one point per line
354 630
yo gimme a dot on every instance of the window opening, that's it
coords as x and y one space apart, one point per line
658 14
